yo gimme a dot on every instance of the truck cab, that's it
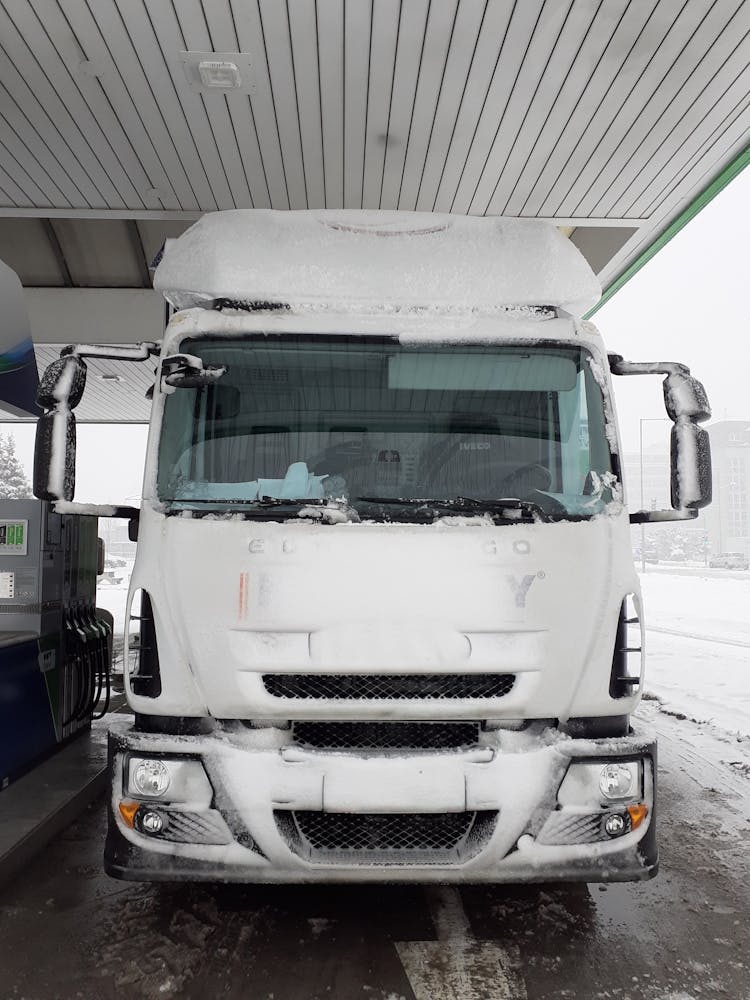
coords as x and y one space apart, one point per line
389 625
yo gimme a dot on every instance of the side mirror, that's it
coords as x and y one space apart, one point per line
55 455
62 383
687 405
185 371
684 396
60 390
691 466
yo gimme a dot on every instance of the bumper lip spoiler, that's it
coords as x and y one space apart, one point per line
127 862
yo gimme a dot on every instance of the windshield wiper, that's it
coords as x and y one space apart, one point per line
256 502
511 508
325 510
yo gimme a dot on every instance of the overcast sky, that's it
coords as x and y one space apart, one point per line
690 304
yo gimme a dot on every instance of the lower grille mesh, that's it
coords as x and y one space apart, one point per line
398 687
386 735
361 838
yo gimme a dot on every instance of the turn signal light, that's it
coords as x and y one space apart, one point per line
637 815
128 811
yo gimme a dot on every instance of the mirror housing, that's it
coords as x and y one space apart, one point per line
55 455
62 383
684 396
690 455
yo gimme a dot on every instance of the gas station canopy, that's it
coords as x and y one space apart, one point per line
122 122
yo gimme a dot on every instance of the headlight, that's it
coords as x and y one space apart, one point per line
173 779
593 784
617 781
150 777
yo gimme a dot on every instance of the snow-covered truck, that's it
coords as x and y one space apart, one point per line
384 618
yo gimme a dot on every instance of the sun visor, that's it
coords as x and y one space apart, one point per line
364 261
19 378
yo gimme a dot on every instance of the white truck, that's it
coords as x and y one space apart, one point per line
388 621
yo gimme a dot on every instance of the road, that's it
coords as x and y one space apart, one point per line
69 931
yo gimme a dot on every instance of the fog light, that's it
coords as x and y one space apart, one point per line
615 825
616 781
151 822
151 777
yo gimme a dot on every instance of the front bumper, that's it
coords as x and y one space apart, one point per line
501 797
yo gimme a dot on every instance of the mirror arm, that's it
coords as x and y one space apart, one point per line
130 514
96 509
618 366
647 516
113 352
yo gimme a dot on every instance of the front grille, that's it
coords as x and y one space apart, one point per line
383 838
386 735
381 687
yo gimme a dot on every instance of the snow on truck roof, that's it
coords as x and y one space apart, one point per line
344 260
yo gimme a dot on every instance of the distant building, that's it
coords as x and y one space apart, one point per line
655 464
728 517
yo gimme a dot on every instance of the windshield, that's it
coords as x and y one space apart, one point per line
380 426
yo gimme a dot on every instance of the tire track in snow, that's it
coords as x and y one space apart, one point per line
694 635
457 966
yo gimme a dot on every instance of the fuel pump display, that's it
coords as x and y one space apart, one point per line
55 649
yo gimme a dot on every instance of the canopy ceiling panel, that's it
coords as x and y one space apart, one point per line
609 114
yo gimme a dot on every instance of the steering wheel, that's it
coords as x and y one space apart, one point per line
526 479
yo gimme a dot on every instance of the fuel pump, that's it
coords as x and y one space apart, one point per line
55 648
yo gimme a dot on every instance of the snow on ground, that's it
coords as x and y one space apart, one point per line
698 646
700 603
113 597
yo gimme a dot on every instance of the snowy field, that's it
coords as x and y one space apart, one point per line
698 642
